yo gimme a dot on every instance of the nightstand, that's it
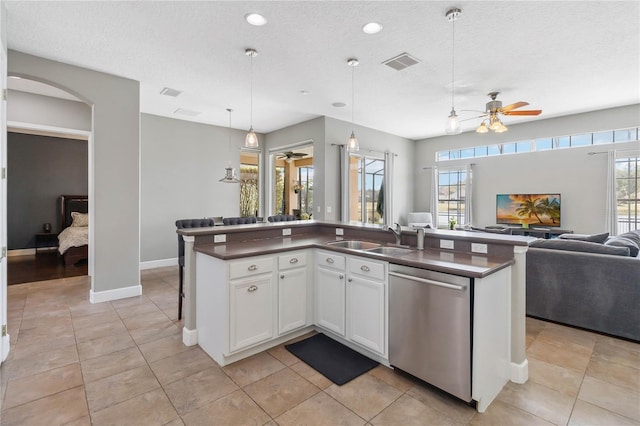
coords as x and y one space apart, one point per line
46 240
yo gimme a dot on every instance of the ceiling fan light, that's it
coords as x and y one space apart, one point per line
501 128
453 124
482 128
352 143
251 140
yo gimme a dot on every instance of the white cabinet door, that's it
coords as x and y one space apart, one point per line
251 311
330 303
366 311
292 299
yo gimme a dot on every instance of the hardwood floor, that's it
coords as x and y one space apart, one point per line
46 265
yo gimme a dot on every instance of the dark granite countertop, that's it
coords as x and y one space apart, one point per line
452 262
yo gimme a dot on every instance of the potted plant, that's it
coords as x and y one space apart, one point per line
297 188
452 223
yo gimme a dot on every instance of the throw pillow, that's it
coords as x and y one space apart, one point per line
594 238
580 246
633 236
621 241
79 219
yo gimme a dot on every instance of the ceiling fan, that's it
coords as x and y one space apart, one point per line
290 155
494 108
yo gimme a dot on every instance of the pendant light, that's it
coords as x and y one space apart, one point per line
352 143
251 141
453 123
229 172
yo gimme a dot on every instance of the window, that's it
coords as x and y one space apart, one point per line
543 144
249 183
279 190
627 194
366 200
305 192
452 188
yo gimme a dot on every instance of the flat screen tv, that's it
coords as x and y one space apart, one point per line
528 209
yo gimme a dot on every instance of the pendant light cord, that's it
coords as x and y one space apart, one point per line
453 55
251 85
353 104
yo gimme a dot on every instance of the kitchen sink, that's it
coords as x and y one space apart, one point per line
390 251
354 244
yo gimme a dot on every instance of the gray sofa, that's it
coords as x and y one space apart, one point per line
586 284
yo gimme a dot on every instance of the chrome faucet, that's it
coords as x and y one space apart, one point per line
397 231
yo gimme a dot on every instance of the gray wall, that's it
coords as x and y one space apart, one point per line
39 170
579 177
114 164
181 163
25 107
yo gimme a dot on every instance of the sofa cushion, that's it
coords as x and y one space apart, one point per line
594 238
581 246
621 241
633 236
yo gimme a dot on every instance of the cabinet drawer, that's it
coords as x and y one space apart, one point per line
250 267
331 260
294 260
367 268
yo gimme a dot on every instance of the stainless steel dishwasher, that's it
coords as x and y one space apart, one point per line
430 327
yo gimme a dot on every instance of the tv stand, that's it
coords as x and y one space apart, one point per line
540 232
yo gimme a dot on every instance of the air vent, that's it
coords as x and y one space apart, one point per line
167 91
186 112
400 62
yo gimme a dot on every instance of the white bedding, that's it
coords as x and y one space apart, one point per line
73 236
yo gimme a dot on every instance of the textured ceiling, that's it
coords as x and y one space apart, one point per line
561 57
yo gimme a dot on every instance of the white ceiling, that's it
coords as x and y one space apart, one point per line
563 57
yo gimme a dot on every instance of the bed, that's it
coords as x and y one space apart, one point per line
74 228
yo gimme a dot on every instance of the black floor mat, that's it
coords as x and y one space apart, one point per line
333 360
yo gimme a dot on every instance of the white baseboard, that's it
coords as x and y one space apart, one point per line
6 343
158 263
189 337
118 293
520 372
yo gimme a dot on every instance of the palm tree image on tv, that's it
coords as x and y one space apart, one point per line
530 209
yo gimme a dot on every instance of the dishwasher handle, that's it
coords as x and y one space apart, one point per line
430 282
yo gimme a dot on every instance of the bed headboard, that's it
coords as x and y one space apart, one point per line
72 203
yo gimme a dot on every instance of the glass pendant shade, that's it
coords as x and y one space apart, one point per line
453 124
251 141
352 143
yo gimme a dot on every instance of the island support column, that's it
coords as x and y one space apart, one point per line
519 363
189 332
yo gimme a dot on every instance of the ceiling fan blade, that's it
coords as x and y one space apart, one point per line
524 112
473 118
513 106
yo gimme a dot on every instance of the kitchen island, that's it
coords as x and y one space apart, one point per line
263 284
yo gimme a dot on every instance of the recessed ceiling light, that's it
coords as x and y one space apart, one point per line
255 19
339 104
372 28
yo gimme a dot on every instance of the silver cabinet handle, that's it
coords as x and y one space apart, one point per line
427 281
293 260
282 276
252 289
341 277
253 268
365 268
330 260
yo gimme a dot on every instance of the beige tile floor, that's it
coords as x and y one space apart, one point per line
123 363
